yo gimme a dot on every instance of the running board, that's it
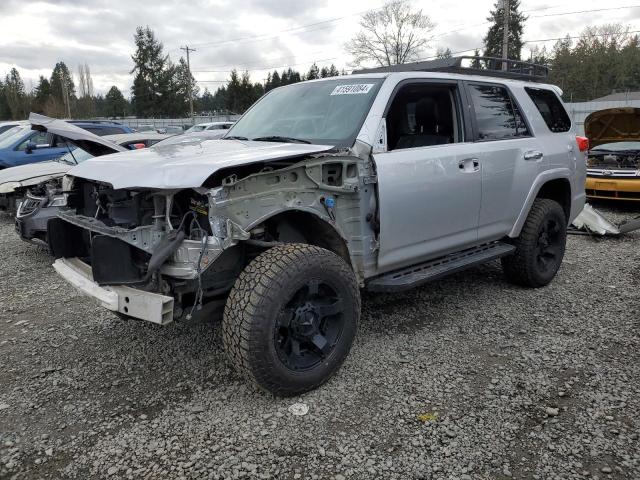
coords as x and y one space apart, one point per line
434 269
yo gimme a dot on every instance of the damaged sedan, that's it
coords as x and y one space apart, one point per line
613 166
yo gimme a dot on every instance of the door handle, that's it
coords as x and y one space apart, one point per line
533 155
469 165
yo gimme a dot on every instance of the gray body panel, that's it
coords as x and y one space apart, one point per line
428 205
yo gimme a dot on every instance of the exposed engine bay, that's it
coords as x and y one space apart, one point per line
619 160
191 244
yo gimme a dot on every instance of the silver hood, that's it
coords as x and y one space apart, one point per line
33 173
184 165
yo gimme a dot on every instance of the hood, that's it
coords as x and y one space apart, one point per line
87 141
613 125
33 173
185 165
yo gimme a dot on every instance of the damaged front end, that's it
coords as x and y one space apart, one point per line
178 249
158 242
36 206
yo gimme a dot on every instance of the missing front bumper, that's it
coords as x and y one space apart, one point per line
148 306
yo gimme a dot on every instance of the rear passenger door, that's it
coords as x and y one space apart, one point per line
510 157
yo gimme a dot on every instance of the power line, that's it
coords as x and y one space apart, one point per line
267 36
568 37
437 36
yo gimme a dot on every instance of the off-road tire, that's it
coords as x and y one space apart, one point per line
260 292
522 268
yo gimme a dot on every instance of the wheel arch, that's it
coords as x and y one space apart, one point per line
552 184
308 226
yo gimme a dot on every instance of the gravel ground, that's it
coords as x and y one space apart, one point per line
467 378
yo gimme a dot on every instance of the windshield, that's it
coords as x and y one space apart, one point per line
77 155
328 112
7 138
618 146
196 128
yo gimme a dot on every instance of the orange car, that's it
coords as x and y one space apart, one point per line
613 166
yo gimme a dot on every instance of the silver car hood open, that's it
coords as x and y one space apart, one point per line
34 173
88 141
186 165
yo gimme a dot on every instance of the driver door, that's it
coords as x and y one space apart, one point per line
45 149
429 179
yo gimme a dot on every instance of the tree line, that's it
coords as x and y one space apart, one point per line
600 61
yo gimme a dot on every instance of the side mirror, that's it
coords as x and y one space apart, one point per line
30 147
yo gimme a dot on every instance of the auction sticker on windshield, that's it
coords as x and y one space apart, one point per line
355 89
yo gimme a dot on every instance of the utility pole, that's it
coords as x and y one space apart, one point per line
187 49
65 94
505 35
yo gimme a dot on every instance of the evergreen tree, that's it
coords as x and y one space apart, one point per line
115 105
42 95
493 40
5 112
152 74
313 73
476 63
63 90
183 81
15 95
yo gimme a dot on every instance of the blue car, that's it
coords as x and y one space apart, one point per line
102 127
20 145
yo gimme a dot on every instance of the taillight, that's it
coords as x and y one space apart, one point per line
583 143
138 146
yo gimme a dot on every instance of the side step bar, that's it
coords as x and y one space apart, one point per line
416 275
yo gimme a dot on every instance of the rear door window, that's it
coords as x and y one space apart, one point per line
497 115
551 109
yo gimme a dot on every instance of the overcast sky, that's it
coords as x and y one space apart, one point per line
256 35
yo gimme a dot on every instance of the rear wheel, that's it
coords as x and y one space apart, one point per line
291 318
540 246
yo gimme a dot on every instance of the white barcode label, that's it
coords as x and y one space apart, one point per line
355 89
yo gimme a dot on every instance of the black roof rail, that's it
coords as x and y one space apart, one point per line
470 65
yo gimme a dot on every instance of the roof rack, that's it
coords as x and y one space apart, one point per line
471 65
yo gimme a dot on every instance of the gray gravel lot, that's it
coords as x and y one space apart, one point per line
467 378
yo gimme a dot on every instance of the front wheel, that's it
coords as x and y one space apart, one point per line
291 318
540 246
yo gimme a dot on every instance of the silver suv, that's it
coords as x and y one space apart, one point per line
382 181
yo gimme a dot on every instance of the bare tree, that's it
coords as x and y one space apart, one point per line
390 35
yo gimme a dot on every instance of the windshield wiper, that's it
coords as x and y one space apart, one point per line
277 138
70 153
234 137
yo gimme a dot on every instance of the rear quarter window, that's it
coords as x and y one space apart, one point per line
550 108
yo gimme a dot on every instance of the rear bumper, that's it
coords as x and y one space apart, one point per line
148 306
613 188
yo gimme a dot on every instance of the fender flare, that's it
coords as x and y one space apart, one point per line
541 179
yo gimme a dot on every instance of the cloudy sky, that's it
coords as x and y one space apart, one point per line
256 35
